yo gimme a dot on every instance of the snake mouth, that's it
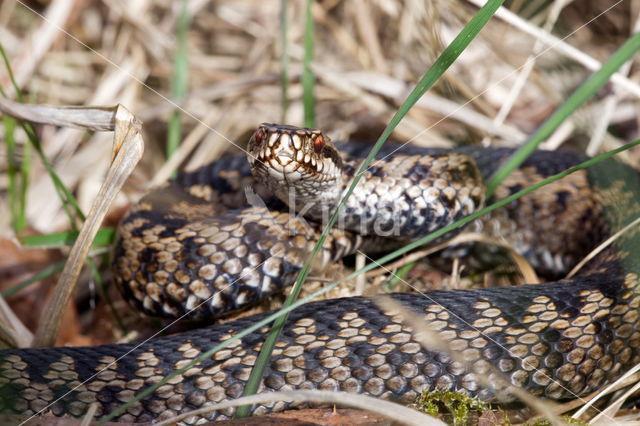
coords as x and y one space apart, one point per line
292 150
292 160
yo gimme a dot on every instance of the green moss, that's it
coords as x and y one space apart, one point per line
567 419
456 405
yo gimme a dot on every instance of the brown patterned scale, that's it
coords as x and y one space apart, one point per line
196 245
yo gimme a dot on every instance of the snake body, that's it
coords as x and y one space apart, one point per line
195 248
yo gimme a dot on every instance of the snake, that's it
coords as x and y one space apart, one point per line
227 235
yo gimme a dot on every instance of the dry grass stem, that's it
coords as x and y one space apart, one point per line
609 106
128 147
559 45
186 147
12 331
607 415
602 246
387 86
87 118
624 381
368 54
397 412
87 419
527 271
526 69
36 46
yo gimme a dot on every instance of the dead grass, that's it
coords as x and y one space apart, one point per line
369 53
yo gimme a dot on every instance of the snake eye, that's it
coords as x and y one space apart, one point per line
258 137
318 144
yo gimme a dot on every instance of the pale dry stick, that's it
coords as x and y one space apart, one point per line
623 381
337 81
456 270
87 419
34 47
210 65
393 88
186 147
525 71
233 17
559 135
357 87
606 243
597 136
12 330
100 119
45 213
9 40
604 118
412 15
342 36
230 121
584 119
158 44
227 89
127 147
610 411
561 46
110 87
412 129
575 403
525 268
169 101
431 341
399 413
368 34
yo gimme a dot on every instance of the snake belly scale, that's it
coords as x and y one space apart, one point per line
195 246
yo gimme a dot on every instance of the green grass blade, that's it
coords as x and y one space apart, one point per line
381 261
69 203
14 181
47 272
179 82
25 172
104 237
12 187
208 354
17 188
450 54
308 77
284 60
7 66
579 97
398 276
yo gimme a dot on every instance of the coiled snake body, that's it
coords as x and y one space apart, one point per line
196 247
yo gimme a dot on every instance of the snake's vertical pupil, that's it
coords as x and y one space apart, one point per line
318 144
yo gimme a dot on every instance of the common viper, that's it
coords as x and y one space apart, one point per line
195 247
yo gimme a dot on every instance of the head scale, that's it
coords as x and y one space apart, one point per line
295 160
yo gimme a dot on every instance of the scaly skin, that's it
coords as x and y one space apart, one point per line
557 339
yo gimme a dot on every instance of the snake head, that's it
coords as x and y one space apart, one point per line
293 160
